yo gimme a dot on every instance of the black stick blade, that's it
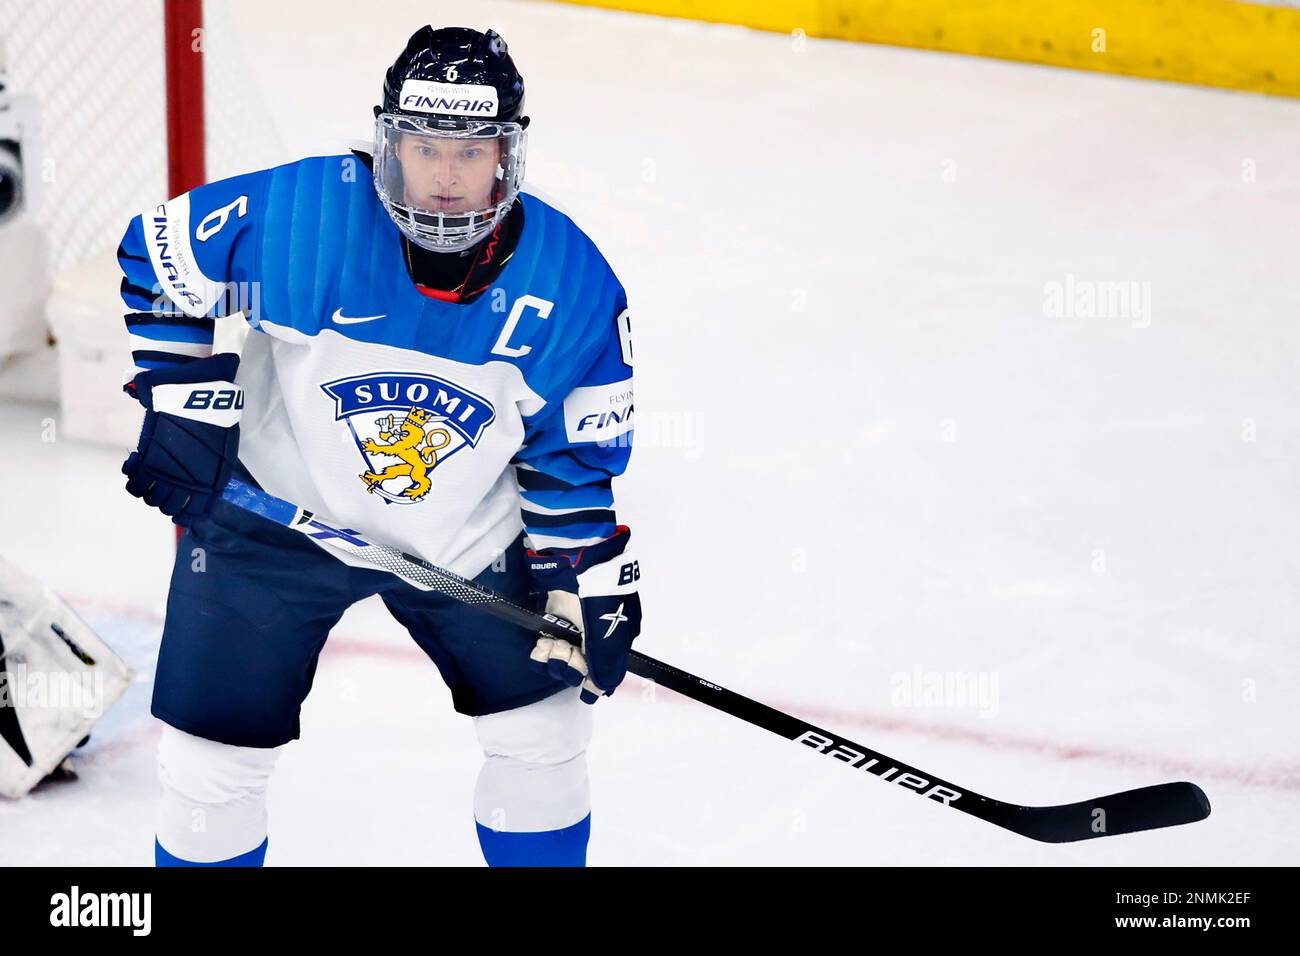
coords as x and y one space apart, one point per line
1147 808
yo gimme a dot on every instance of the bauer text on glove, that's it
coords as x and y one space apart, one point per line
189 438
596 588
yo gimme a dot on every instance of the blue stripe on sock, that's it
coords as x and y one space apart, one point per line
567 847
253 857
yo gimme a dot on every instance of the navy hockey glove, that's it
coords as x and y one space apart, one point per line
190 436
596 588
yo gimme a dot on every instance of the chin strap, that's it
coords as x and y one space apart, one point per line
485 254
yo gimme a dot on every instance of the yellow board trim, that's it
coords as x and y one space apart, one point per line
1224 43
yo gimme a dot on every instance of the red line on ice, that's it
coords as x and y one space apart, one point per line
1270 776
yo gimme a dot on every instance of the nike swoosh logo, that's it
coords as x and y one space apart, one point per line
342 319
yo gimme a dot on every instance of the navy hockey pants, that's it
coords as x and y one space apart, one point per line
248 617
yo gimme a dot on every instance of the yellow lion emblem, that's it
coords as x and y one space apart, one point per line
404 442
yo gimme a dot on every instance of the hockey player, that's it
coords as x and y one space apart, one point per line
438 359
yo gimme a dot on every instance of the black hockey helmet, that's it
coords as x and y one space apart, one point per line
457 56
450 137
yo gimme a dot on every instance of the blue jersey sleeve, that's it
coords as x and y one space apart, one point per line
187 262
573 451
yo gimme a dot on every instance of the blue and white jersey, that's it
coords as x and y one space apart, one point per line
439 427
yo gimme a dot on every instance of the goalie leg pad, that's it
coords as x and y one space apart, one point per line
57 678
213 804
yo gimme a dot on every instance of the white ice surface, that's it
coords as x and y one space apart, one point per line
862 449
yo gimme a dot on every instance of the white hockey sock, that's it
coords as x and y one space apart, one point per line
535 776
213 802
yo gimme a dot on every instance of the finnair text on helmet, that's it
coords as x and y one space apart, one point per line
465 99
443 105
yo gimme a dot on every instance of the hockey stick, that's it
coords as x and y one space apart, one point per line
1147 808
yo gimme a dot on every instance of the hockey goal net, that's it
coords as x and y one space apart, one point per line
136 101
118 105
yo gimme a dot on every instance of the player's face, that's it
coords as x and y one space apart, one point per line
446 174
